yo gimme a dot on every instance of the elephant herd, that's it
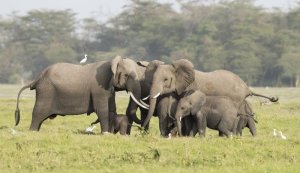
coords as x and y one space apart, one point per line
185 100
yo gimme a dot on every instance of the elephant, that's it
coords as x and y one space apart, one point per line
215 112
246 121
70 89
118 123
136 78
180 77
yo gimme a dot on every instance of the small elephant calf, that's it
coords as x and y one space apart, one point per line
215 112
118 123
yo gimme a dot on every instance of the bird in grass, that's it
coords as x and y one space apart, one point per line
282 136
84 59
169 136
274 133
13 131
90 129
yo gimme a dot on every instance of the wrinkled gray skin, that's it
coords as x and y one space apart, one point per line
118 123
246 121
215 112
69 89
180 77
136 77
165 110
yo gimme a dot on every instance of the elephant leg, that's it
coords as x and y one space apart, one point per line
194 130
235 124
163 125
223 127
130 121
123 127
143 117
39 115
102 111
201 123
221 134
41 110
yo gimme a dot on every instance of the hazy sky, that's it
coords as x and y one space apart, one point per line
103 9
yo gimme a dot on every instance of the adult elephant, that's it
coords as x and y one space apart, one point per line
136 78
69 89
180 77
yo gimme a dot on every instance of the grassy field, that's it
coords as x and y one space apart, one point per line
62 145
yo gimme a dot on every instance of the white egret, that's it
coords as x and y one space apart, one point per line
84 59
90 129
13 131
282 136
274 133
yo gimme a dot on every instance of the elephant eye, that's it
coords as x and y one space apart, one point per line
182 108
165 79
126 75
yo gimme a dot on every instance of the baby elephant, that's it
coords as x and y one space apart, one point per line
246 121
215 112
118 123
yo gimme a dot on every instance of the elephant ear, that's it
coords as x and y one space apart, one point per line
114 64
184 73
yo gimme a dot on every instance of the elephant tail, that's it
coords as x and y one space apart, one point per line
272 99
17 112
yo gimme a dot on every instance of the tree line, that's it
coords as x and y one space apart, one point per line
261 46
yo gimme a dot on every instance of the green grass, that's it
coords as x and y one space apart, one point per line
61 145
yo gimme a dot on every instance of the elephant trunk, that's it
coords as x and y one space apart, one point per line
154 94
178 123
134 89
150 112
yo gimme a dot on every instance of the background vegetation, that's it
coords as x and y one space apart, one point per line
261 46
62 145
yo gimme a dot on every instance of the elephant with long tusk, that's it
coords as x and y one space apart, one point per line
136 79
180 77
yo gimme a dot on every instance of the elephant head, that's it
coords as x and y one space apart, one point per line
175 77
189 104
135 78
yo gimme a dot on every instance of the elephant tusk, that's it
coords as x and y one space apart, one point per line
146 97
180 119
145 104
135 100
156 95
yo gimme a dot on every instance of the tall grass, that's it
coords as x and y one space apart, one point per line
61 145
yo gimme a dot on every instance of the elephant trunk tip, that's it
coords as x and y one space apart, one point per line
17 116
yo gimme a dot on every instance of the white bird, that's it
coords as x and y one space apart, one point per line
282 136
84 59
13 131
90 129
274 133
169 136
